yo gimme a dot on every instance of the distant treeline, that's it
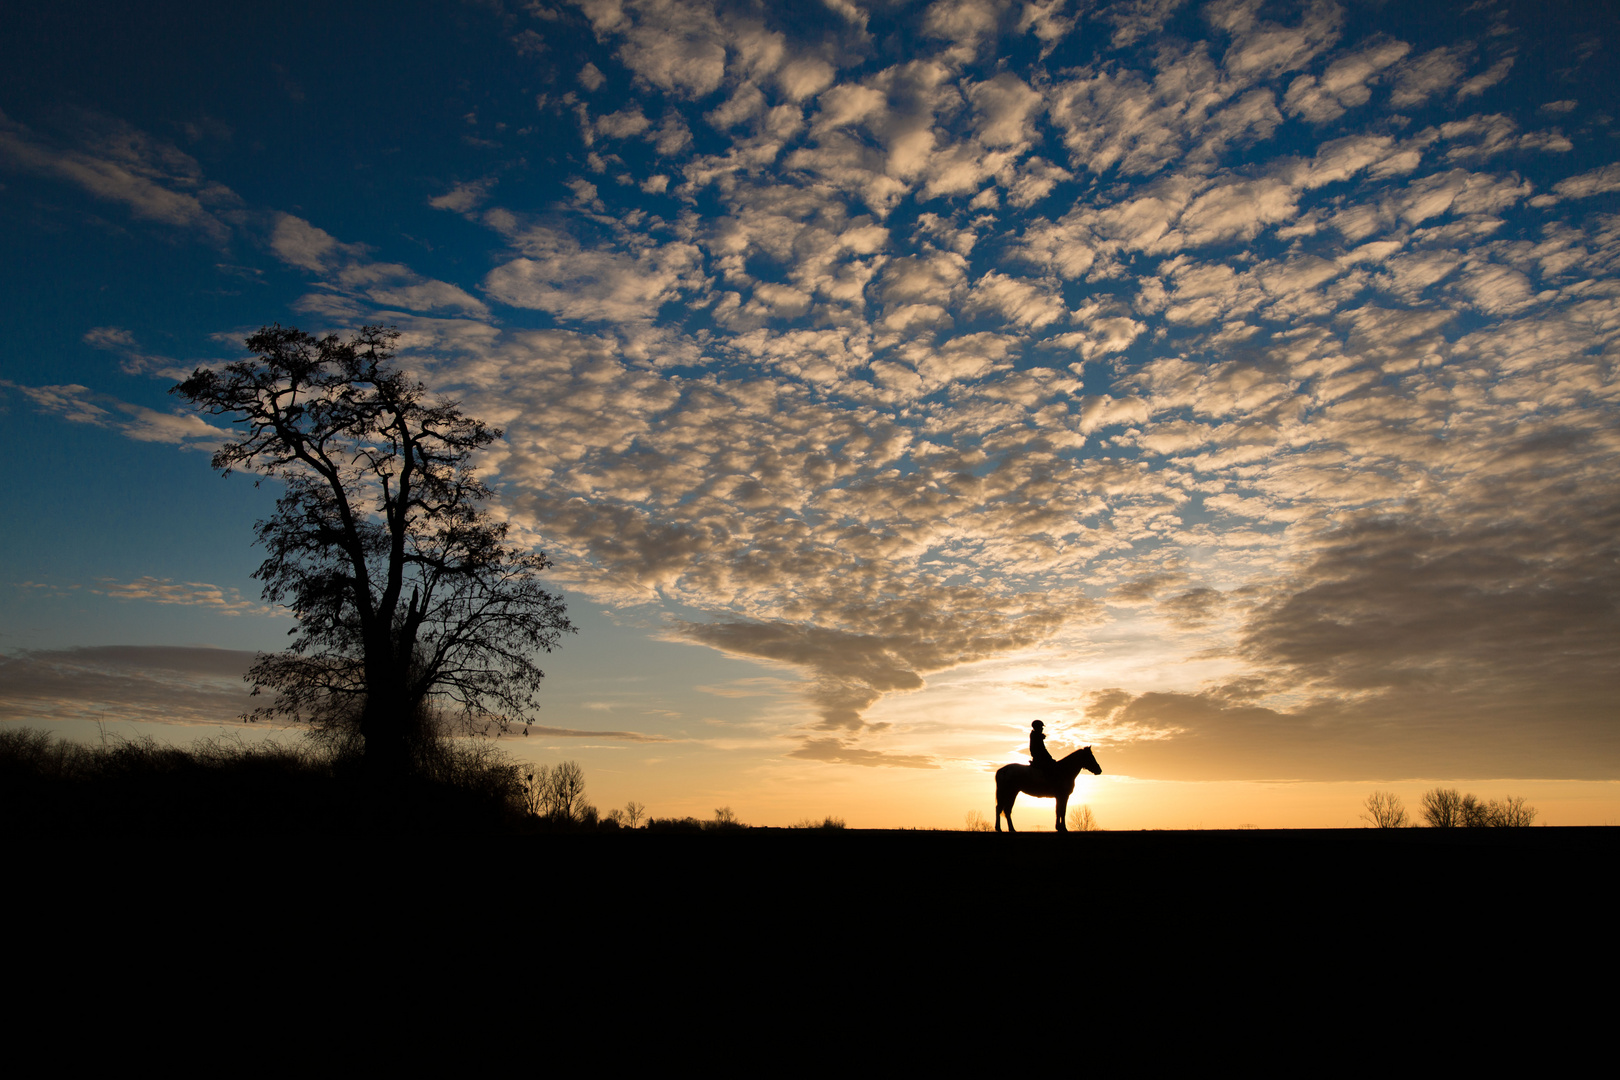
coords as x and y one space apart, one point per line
219 786
228 787
1447 808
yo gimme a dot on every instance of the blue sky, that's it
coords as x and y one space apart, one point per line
1230 385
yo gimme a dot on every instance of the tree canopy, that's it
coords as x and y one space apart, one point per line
406 591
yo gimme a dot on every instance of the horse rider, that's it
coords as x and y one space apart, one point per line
1037 750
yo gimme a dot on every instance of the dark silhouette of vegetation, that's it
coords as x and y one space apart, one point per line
1441 808
1445 808
1081 819
724 820
50 785
683 824
1385 810
556 795
405 590
828 822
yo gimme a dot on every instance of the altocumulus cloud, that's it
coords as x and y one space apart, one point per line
1282 331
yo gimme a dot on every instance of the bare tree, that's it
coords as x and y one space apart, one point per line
634 813
565 794
977 822
1475 814
403 585
1385 810
1510 813
724 818
1081 819
1445 808
536 789
1442 808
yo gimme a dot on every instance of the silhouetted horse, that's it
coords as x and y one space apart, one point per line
1011 779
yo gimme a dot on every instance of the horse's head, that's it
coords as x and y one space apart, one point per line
1083 758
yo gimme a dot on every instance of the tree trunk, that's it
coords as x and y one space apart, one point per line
385 724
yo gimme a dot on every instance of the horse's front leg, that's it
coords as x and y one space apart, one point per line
1063 811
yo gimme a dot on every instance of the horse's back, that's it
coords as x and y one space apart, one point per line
1011 776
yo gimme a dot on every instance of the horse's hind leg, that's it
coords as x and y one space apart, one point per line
1005 807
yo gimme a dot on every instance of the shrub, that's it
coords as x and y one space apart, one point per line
1445 808
1385 811
225 786
723 818
828 822
1081 819
1442 808
1511 813
557 794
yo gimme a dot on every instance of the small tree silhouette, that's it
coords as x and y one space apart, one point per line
1511 813
557 793
724 818
1385 811
1081 819
977 822
1475 814
634 814
1442 808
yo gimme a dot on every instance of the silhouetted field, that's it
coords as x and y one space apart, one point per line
141 788
463 828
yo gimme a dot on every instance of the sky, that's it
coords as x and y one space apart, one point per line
1231 386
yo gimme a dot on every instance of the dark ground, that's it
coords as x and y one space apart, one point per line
1301 948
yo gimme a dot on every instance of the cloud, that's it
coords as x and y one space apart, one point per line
966 24
187 593
1344 85
838 752
560 275
1420 78
1600 181
168 684
1016 300
902 640
576 733
345 268
874 357
133 361
80 405
1136 20
115 162
679 48
461 199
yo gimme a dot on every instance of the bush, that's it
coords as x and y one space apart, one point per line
1444 808
227 787
723 819
977 822
1511 813
1081 819
556 793
1385 811
828 822
685 824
